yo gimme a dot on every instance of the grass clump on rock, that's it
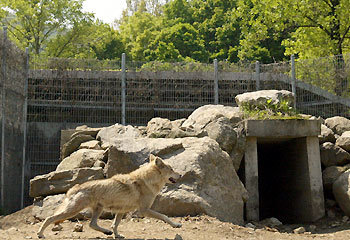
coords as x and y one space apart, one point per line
270 110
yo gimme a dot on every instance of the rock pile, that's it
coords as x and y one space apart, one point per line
206 149
335 158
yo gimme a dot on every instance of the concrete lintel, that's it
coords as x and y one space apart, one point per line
251 179
294 128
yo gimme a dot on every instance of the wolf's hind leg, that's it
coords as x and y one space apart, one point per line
157 215
68 210
96 212
117 218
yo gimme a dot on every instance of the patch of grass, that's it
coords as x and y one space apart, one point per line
270 110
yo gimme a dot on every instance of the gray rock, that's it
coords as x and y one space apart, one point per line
259 98
271 222
159 128
164 128
344 141
299 230
327 135
332 155
222 131
202 116
238 150
339 125
219 123
119 162
47 206
86 131
73 144
207 175
93 144
117 131
341 192
60 182
331 174
82 158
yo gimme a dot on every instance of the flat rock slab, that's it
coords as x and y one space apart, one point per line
61 181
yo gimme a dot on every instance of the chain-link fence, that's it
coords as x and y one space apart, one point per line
66 93
13 172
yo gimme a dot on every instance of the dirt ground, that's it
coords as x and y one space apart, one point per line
21 225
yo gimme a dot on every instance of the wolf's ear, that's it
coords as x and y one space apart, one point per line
152 158
159 162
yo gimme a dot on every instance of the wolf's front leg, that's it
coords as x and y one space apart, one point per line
117 218
157 215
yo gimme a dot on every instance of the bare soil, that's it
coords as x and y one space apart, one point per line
21 225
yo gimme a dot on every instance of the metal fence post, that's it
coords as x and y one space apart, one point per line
292 59
216 82
3 118
123 88
26 69
257 75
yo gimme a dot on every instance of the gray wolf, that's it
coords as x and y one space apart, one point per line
120 194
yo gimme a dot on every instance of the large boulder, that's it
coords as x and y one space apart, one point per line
47 207
219 123
344 141
164 128
332 155
84 129
209 184
93 144
339 125
119 162
116 131
82 158
202 116
331 174
327 135
341 192
73 144
259 98
60 181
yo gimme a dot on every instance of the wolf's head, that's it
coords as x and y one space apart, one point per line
165 170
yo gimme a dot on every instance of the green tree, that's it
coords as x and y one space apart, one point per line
86 40
308 28
179 42
33 23
138 31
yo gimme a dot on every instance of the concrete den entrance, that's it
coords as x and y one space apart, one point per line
282 170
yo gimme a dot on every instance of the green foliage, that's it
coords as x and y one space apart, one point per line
33 23
137 32
177 43
185 30
270 110
309 28
86 40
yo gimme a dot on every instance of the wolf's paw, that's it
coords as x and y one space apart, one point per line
118 236
108 232
40 235
176 225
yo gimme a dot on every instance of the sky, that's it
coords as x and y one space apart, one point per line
106 10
